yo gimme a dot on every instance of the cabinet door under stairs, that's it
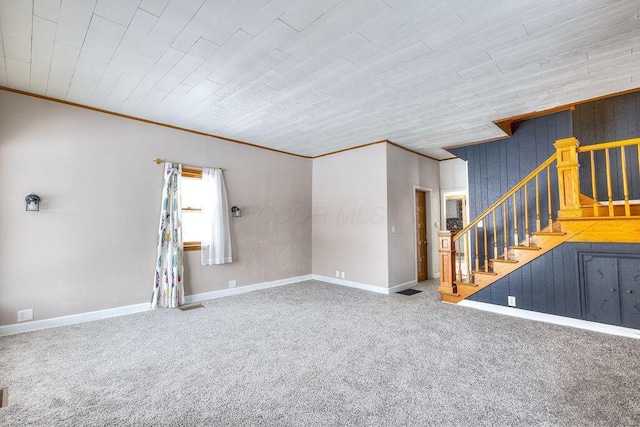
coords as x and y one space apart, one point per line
611 288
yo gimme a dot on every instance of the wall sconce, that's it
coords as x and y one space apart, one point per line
33 203
236 212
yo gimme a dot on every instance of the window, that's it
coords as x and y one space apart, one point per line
191 187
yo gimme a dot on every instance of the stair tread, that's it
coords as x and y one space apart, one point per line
488 273
526 248
506 261
450 294
548 233
461 283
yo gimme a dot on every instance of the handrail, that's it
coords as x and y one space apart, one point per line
508 194
610 148
605 145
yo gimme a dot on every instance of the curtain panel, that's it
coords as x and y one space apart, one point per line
168 289
216 240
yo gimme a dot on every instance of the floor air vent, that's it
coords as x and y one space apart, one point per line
4 397
409 292
190 307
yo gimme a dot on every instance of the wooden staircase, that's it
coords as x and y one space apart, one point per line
579 219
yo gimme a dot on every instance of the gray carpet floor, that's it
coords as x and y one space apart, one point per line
315 354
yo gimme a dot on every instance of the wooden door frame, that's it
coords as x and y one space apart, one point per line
428 192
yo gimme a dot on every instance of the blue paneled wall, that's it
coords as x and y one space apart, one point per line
606 120
496 167
550 283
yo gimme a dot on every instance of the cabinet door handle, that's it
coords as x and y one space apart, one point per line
612 290
629 291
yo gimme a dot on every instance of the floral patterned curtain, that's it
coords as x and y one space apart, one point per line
168 290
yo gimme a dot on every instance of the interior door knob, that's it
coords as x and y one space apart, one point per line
629 291
612 290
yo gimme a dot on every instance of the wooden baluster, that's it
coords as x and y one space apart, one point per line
594 186
459 256
505 230
537 205
625 184
526 215
476 241
467 255
516 241
486 248
495 236
609 192
550 224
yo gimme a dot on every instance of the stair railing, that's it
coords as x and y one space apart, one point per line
612 177
502 225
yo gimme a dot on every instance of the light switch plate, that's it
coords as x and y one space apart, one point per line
511 301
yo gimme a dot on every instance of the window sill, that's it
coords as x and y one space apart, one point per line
191 246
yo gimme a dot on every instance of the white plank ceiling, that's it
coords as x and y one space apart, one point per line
315 76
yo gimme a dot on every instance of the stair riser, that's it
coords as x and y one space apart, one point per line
503 268
521 255
482 280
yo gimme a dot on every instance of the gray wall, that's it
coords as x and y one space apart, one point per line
350 215
405 171
92 246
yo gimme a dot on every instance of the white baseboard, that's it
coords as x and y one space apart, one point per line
364 286
190 299
17 328
402 286
551 318
350 284
35 325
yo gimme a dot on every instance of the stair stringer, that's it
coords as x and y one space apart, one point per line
543 242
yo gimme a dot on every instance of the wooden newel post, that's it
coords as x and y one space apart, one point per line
447 251
568 177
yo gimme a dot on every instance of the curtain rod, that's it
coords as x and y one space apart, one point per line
159 161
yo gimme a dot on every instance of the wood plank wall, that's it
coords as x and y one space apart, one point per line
609 119
551 283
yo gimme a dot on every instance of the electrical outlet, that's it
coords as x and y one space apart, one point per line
393 229
24 315
342 274
511 301
337 274
232 283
